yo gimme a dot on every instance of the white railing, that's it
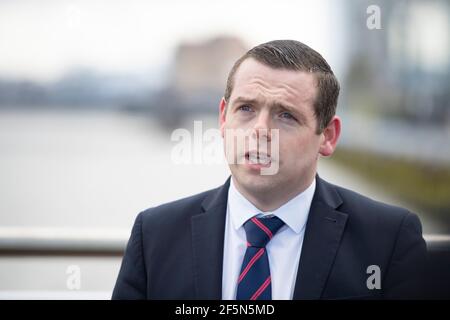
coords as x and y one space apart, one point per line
102 241
36 239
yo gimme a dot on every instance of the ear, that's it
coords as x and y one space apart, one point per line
330 136
222 115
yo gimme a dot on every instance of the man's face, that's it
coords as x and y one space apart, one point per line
264 99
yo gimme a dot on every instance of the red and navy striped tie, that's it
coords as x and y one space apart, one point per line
254 281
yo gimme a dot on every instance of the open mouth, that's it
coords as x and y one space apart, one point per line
254 157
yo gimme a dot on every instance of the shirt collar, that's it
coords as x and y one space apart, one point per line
294 213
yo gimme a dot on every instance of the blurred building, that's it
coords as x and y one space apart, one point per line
198 78
204 66
403 70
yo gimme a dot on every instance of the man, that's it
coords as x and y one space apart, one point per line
284 235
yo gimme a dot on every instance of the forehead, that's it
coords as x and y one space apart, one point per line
258 81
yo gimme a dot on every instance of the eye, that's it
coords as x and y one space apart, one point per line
245 107
287 115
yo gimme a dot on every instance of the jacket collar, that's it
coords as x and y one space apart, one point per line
208 230
323 234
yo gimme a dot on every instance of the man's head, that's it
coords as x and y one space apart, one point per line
296 56
282 87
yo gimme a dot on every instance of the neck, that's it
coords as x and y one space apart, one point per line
271 200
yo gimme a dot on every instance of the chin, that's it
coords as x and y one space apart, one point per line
256 182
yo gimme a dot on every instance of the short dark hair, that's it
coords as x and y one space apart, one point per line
294 55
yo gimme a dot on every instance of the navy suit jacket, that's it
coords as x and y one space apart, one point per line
176 250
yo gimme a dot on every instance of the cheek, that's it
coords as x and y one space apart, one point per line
299 149
228 126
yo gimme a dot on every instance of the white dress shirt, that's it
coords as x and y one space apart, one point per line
283 249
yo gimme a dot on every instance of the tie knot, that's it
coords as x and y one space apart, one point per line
259 231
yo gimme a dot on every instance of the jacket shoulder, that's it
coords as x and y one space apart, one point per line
177 210
362 207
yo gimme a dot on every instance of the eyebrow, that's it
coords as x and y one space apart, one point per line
298 114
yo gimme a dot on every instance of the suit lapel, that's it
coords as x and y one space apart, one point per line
323 234
208 230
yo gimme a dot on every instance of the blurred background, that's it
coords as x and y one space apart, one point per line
91 91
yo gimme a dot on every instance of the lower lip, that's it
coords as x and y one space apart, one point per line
256 166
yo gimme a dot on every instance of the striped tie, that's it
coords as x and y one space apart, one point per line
254 281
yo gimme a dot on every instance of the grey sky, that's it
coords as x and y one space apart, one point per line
42 39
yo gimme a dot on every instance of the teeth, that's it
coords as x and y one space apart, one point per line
253 159
261 159
264 159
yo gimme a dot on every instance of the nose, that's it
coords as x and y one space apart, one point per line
261 129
